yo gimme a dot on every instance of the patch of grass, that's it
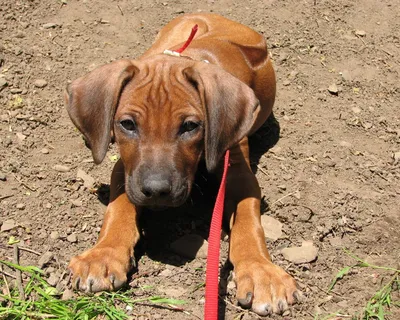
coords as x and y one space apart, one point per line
379 305
43 301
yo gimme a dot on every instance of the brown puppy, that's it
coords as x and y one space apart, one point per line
166 114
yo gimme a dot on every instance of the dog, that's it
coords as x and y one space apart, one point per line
167 114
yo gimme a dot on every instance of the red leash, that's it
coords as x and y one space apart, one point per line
212 283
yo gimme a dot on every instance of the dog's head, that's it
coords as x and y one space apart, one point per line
164 114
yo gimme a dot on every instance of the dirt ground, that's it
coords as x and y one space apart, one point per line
332 178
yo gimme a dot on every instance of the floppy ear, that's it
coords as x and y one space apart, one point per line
231 108
92 100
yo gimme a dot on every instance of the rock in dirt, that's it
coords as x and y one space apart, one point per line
72 238
76 203
190 246
360 33
8 225
40 83
272 228
67 294
306 253
396 157
21 137
20 206
54 235
333 89
53 279
45 151
345 144
50 25
3 83
346 76
88 181
45 259
61 168
3 177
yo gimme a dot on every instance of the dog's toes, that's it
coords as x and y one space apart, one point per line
99 269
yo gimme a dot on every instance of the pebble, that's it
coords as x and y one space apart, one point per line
72 238
306 253
88 181
61 168
53 279
15 90
3 83
54 235
190 246
345 144
40 83
346 76
76 203
360 33
166 273
396 157
45 151
50 25
21 137
333 89
20 206
45 259
356 110
272 227
3 177
67 294
8 225
286 83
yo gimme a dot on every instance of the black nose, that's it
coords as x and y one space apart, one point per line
156 186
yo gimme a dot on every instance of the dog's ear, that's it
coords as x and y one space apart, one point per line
92 100
231 108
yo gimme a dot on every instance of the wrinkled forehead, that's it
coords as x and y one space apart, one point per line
160 87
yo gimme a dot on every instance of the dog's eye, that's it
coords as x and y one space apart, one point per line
188 126
128 125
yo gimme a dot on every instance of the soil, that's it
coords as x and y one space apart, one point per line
332 178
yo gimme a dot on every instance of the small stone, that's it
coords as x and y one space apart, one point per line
54 235
286 83
346 76
367 125
61 168
21 137
190 246
72 238
282 187
360 33
3 83
15 90
68 294
45 151
50 25
88 181
3 177
76 203
396 157
8 225
45 259
40 83
166 273
20 206
333 89
345 144
356 110
293 74
48 205
306 253
272 227
53 279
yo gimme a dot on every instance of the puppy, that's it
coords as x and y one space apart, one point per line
168 113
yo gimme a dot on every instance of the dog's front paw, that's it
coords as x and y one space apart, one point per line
265 287
101 269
